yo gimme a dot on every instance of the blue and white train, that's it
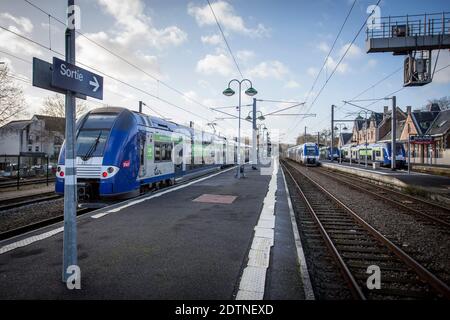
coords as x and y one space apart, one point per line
122 153
326 154
376 152
307 154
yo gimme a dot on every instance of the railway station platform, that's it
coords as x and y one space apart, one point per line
215 237
432 186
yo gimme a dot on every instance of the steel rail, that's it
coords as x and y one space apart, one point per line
345 271
415 211
420 270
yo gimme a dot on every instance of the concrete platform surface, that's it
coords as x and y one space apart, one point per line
434 185
164 246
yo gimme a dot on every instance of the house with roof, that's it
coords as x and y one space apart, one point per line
345 138
440 131
377 127
38 135
419 123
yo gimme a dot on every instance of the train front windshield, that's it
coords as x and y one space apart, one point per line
398 149
92 136
310 151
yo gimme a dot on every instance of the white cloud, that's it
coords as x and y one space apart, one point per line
312 71
214 39
137 27
353 52
227 18
323 46
372 63
132 38
95 56
24 23
269 69
13 43
292 84
343 67
245 55
215 64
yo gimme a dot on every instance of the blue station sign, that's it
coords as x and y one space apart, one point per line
73 78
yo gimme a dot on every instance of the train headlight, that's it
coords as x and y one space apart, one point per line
108 172
60 171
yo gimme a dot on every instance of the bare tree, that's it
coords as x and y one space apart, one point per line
444 102
54 106
12 101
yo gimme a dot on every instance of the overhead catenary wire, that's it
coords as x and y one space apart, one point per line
295 123
225 39
339 62
159 81
105 74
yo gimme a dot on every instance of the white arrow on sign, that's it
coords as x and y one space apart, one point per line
94 84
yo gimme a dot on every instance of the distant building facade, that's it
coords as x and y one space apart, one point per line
39 135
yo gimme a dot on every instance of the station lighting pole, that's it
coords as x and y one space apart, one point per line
338 126
255 128
365 133
332 132
70 178
229 92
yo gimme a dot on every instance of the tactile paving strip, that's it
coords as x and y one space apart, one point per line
215 198
259 258
253 279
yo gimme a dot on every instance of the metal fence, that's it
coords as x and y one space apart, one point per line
25 169
410 25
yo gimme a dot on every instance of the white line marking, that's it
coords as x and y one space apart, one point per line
251 286
42 236
30 240
307 286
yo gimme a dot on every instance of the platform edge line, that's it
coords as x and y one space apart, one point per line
304 272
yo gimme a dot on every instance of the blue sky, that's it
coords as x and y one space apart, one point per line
279 45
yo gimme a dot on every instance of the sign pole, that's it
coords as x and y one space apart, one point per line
332 132
254 145
393 132
70 179
409 154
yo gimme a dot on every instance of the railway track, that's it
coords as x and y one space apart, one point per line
11 184
355 245
427 210
16 202
40 224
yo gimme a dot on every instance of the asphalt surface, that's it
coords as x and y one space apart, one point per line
168 247
283 281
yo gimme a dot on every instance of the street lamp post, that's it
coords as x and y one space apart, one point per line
229 92
340 127
365 134
254 135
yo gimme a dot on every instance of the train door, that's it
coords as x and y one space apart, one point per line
141 150
177 156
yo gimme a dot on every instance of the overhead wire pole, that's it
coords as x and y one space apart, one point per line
70 178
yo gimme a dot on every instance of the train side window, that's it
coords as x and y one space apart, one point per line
378 153
163 151
157 151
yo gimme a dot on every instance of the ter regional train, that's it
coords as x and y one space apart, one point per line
122 153
376 152
307 154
